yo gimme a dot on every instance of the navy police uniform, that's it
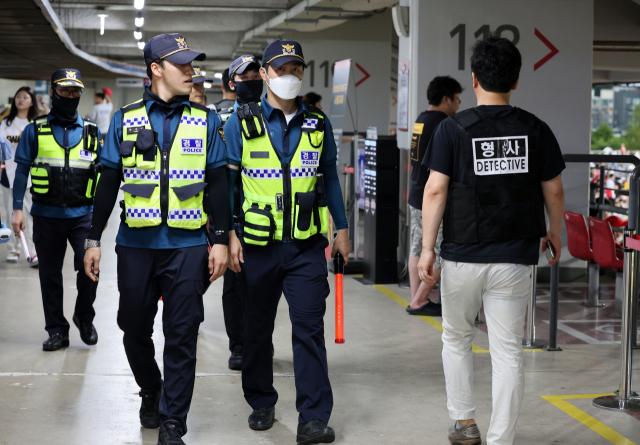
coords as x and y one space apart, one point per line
62 213
163 260
297 268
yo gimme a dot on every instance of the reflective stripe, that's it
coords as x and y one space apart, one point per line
139 173
190 120
53 162
303 172
185 214
57 162
142 213
186 174
262 173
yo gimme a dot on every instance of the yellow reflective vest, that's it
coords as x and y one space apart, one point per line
281 199
164 185
64 176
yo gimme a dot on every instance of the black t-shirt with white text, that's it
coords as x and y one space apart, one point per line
440 157
423 129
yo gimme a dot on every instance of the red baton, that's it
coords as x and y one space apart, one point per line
338 270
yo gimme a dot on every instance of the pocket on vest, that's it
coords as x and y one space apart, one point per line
142 205
185 206
40 179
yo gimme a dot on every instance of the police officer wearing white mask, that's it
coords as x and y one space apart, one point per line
281 147
494 170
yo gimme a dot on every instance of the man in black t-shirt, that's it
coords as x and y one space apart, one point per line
443 94
493 171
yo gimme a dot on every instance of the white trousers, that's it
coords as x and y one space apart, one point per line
504 289
15 245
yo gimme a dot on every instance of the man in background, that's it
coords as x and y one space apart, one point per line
228 95
101 112
443 94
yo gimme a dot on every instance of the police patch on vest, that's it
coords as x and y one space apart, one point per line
86 155
310 158
134 130
221 133
501 155
192 147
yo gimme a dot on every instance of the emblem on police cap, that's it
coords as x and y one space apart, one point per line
247 59
182 44
71 74
288 49
196 71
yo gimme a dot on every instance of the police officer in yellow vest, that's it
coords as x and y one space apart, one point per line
281 149
61 151
171 155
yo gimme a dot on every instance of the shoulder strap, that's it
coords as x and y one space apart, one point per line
133 106
526 117
467 118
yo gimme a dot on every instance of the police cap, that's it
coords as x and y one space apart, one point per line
66 77
280 52
241 64
197 76
171 47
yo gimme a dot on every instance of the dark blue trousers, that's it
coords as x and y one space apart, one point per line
144 275
232 291
50 237
298 269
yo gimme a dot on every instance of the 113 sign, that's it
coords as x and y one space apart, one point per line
483 32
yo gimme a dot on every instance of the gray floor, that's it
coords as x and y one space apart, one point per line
387 379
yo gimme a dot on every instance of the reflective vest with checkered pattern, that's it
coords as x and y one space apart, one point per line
185 173
263 176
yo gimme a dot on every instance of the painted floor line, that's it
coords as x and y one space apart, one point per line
580 335
430 320
594 424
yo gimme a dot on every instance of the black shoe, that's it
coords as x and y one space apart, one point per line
235 361
432 309
88 332
315 431
55 342
170 433
150 407
261 419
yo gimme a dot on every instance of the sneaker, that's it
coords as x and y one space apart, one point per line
467 435
150 407
13 257
170 433
34 261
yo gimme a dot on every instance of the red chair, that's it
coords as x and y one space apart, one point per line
606 253
578 237
579 245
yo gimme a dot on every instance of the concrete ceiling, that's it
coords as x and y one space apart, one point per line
37 35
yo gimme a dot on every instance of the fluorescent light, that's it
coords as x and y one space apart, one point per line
141 45
138 4
102 17
208 84
139 21
137 34
218 75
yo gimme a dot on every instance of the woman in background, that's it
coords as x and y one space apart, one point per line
23 110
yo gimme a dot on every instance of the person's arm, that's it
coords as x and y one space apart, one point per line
553 194
234 160
434 202
105 198
218 189
333 193
26 152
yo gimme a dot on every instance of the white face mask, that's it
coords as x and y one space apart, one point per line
285 87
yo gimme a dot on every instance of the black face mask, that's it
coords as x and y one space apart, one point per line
248 91
64 108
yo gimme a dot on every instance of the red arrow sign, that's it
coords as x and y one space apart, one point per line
366 75
548 57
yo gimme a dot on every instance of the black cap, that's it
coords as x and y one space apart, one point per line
171 47
197 75
241 64
66 77
282 51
